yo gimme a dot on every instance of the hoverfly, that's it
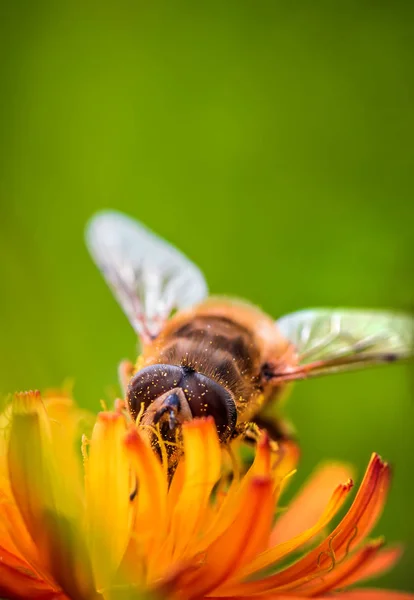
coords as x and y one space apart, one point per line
219 356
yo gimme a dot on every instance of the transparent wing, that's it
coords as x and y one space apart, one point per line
328 340
149 277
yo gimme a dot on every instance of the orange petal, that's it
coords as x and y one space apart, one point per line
362 594
279 459
29 476
149 520
37 485
273 555
176 486
202 464
222 515
368 594
382 562
339 576
18 580
22 585
308 506
108 488
13 533
245 537
16 541
287 461
263 459
354 526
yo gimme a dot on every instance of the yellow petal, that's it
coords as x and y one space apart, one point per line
30 475
202 465
108 487
67 423
222 515
244 538
149 520
51 514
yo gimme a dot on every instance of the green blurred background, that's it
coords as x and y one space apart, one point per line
271 141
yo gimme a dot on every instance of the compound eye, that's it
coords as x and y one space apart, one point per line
150 383
206 397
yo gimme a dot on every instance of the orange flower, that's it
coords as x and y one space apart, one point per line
122 529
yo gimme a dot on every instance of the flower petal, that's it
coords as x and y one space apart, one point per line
223 514
382 562
18 580
47 507
359 594
339 576
108 487
370 594
366 562
202 465
29 472
17 585
13 533
67 423
149 505
243 539
273 555
308 506
354 526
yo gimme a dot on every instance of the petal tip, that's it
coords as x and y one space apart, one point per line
377 462
108 416
132 437
26 402
261 481
199 423
348 485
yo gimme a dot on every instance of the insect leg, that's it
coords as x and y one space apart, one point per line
277 428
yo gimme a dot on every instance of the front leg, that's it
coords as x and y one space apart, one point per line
278 429
247 432
250 433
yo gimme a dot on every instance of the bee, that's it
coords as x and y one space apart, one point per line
221 357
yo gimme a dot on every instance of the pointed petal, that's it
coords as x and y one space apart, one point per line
287 462
356 524
338 576
108 487
362 594
367 562
222 517
308 506
149 504
371 594
202 464
245 537
273 555
383 562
